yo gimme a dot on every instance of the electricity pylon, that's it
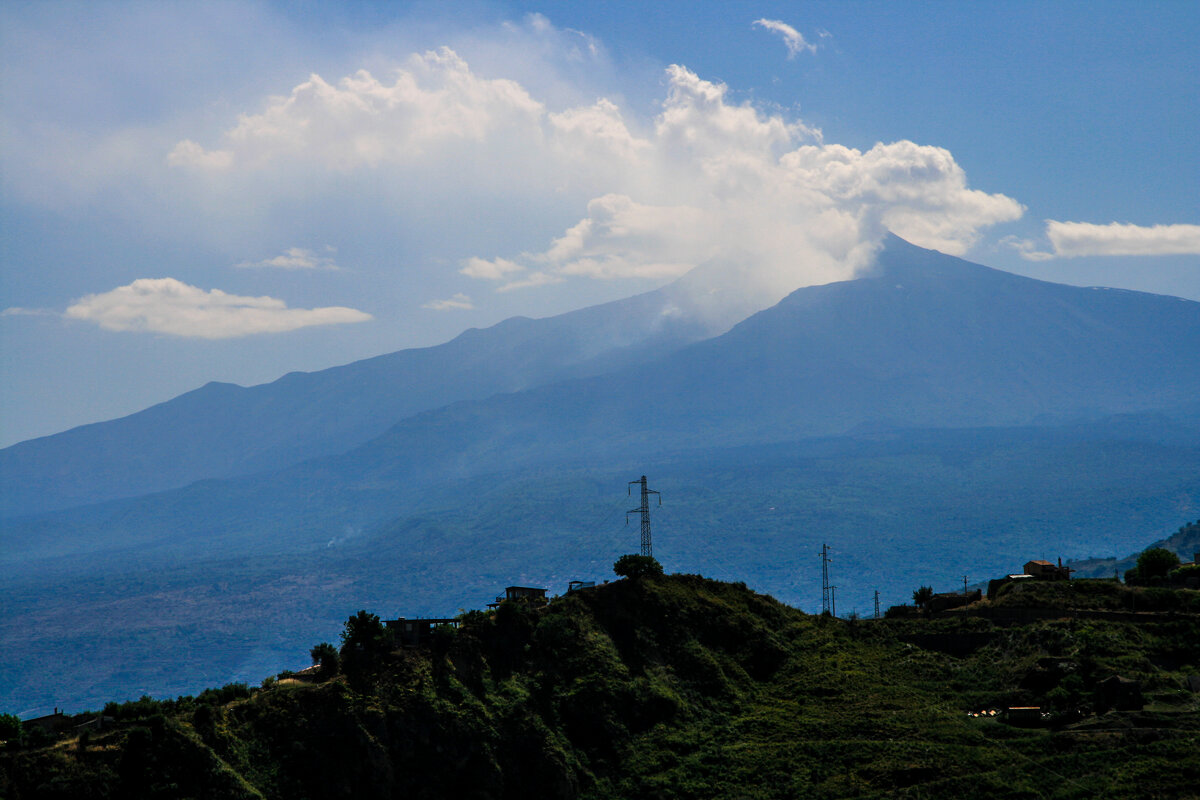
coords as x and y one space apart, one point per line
825 559
644 510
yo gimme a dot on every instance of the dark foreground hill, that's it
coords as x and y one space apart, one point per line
676 687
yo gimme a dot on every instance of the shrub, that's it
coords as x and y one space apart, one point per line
1156 563
326 655
10 728
637 566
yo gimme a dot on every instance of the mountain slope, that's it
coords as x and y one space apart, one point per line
929 341
222 430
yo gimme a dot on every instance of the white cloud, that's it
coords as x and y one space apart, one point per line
492 270
1026 247
17 311
458 302
1071 239
362 121
735 185
792 38
166 305
190 154
531 279
297 258
1074 239
705 180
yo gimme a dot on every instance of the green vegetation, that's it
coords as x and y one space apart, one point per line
1156 562
637 566
327 658
678 687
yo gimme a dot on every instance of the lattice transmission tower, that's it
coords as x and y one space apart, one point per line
826 607
644 510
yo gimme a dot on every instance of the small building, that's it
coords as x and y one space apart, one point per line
1025 716
414 632
1122 694
575 586
1043 570
525 594
50 723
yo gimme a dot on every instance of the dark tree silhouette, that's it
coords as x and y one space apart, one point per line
636 566
1156 562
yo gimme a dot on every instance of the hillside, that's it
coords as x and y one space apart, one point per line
221 430
672 687
924 340
932 419
1184 543
180 601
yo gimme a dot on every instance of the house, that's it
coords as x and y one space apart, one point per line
1123 694
526 594
575 586
1025 716
55 723
414 632
1046 571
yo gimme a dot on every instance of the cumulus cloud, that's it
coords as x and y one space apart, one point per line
705 180
166 305
489 269
297 258
362 121
1071 239
792 38
459 302
760 188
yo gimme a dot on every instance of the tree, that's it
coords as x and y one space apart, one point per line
326 655
1156 563
922 596
10 728
636 566
364 631
364 643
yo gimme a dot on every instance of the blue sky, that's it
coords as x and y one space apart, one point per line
232 191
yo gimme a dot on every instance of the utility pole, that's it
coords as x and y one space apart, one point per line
644 510
964 584
876 604
833 600
825 559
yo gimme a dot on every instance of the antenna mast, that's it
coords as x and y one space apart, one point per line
644 510
825 559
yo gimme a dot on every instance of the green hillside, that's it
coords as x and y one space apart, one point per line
674 687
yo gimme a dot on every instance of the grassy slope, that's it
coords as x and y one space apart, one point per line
671 688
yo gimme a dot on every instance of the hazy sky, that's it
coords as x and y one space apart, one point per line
232 191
